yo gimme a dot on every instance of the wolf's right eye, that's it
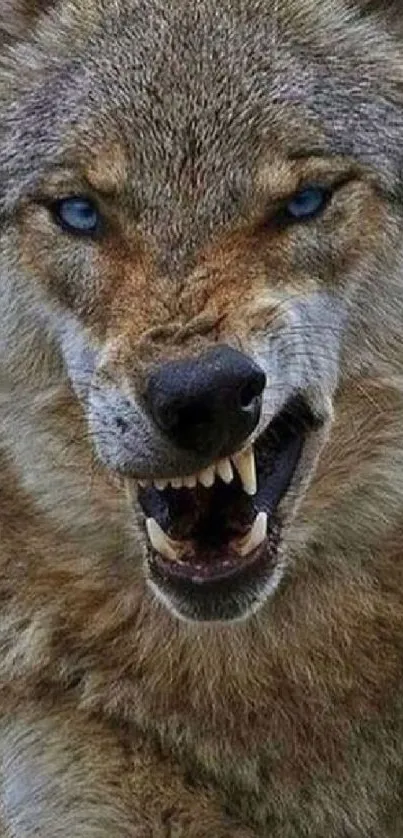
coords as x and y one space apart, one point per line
307 203
78 215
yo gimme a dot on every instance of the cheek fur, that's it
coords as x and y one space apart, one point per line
100 282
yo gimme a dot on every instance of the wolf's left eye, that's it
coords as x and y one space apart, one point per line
307 203
77 215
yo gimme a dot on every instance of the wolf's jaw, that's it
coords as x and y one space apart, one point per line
228 522
244 463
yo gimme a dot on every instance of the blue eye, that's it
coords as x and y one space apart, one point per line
307 203
77 215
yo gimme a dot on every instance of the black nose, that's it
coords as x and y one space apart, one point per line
209 404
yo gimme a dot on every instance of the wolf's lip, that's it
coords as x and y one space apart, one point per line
218 528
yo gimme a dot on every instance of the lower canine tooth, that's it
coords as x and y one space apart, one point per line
161 542
246 468
224 470
207 477
254 538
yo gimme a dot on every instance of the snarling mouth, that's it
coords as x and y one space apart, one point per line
217 533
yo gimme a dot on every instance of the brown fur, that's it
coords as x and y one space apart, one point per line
116 718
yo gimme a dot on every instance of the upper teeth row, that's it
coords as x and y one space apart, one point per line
244 463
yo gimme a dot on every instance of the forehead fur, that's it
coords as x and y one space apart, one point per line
197 93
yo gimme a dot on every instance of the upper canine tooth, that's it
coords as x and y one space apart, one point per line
190 482
144 483
254 537
161 542
177 482
161 484
224 470
246 468
207 477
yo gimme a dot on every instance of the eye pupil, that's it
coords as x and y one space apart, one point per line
77 215
307 203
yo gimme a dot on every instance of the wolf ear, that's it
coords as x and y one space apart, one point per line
17 17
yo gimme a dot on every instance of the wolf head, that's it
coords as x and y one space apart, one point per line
200 208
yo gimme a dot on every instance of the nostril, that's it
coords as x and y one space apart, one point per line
194 415
252 390
166 414
177 418
247 395
191 426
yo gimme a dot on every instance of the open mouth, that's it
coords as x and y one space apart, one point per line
216 535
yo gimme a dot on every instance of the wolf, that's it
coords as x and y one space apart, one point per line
201 419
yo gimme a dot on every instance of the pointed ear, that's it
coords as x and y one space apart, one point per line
17 17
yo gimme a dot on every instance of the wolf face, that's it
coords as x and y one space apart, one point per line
204 219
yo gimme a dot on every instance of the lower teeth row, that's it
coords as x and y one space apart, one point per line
174 550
